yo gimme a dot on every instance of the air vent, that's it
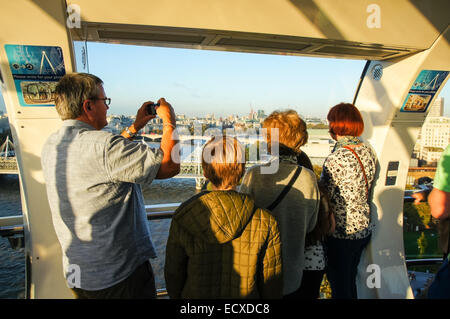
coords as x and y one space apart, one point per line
235 41
377 72
356 51
262 44
152 37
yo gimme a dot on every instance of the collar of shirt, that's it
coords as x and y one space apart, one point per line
78 123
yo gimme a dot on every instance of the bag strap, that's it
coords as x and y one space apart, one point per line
255 208
286 189
362 167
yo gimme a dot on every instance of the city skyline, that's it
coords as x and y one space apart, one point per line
201 82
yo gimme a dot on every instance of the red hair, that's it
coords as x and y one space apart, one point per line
345 120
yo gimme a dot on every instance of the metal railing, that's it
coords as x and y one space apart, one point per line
13 225
423 261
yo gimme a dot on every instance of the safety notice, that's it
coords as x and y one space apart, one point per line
423 90
36 70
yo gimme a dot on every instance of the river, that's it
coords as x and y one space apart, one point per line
12 262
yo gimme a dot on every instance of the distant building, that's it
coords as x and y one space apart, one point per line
261 115
436 132
434 138
437 108
4 124
319 146
252 115
314 120
416 173
434 135
156 120
431 154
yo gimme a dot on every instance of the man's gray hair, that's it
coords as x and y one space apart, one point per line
72 90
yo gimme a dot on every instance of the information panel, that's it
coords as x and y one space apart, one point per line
36 71
423 90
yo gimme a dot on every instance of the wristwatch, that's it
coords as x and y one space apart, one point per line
128 132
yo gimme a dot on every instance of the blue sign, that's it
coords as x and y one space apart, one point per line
423 90
36 70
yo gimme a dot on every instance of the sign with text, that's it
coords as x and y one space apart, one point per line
423 90
36 70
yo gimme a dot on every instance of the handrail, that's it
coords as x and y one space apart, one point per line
161 211
11 220
408 199
13 225
424 261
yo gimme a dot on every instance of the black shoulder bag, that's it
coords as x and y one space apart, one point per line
286 189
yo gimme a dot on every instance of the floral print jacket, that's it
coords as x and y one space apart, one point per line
343 176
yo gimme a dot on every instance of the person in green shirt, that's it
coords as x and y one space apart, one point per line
439 199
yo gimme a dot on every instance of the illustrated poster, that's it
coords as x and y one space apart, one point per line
36 70
423 90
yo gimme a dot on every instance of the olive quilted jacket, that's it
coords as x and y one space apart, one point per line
221 246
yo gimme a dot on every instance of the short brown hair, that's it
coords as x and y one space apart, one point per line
345 120
223 161
72 90
291 129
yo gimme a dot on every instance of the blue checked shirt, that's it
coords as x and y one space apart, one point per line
93 185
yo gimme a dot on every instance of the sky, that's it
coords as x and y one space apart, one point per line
201 82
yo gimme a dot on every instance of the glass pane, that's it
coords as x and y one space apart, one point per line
421 230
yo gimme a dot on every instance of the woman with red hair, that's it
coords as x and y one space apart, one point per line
348 173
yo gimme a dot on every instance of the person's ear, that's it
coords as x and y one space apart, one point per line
86 106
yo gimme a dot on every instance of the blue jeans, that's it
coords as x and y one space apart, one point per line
440 288
343 257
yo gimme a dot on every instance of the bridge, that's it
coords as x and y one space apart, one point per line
8 165
246 138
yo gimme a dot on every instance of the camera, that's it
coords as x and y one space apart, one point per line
151 108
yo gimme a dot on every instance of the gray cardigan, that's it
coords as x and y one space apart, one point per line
296 214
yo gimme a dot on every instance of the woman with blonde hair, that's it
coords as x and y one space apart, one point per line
290 193
221 245
348 173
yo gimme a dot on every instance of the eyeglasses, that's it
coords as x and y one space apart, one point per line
106 100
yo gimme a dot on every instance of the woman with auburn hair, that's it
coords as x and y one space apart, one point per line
221 244
290 193
348 173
